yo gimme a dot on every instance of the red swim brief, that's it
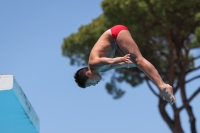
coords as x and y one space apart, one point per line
116 29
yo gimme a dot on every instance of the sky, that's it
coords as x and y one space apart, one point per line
31 35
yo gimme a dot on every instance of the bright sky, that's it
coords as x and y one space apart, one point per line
31 34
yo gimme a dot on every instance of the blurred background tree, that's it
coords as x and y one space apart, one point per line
166 33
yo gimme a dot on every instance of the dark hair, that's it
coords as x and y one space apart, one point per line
80 77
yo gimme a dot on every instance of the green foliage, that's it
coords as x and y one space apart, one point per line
197 37
162 29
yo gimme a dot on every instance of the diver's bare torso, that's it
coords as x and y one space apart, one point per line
104 47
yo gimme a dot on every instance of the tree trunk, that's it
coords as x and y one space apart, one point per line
174 125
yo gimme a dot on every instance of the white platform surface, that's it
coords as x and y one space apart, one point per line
16 113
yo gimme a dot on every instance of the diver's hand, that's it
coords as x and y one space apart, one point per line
127 60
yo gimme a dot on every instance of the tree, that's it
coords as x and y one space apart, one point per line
165 31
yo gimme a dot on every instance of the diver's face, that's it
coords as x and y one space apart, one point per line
94 79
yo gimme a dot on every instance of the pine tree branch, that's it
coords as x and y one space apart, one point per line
190 99
194 58
192 79
151 88
164 114
193 70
